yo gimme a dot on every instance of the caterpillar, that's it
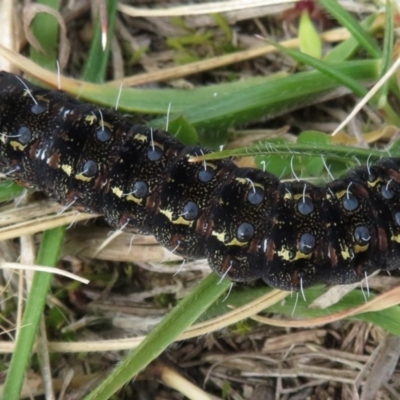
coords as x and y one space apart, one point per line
246 222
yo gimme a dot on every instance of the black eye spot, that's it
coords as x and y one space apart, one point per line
244 232
256 196
190 211
397 218
350 202
140 189
306 243
362 235
386 192
103 134
206 174
90 168
38 108
305 206
24 135
301 276
154 153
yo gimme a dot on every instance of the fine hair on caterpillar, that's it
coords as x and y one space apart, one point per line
245 221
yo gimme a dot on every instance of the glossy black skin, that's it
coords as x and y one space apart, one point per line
246 222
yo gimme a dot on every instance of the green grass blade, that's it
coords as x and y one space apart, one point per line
97 61
388 319
328 151
9 190
180 318
360 34
387 56
156 101
345 50
309 39
388 39
48 255
329 70
269 97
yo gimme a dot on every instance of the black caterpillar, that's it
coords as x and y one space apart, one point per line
246 222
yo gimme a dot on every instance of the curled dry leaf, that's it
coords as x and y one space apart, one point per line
29 13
